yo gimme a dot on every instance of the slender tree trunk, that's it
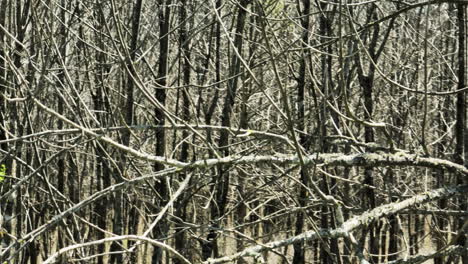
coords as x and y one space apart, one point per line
242 181
3 75
164 14
223 177
207 246
440 176
180 238
366 81
103 111
62 81
326 18
461 125
119 205
299 254
14 120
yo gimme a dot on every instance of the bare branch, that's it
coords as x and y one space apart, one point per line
349 225
449 251
54 257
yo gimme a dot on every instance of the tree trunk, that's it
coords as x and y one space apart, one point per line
223 178
185 65
164 14
461 125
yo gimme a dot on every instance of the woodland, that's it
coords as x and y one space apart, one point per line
233 131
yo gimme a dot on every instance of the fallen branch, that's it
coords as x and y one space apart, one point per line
348 226
338 159
331 159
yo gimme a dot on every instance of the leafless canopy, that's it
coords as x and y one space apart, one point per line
244 131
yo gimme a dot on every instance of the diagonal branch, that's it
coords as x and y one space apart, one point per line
348 226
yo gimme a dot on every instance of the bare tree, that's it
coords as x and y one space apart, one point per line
233 131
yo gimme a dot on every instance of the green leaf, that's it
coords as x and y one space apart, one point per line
2 172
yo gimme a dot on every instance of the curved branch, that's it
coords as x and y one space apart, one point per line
53 258
238 132
449 251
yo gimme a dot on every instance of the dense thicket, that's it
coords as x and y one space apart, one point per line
233 131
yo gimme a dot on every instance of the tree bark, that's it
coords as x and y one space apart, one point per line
164 14
461 125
